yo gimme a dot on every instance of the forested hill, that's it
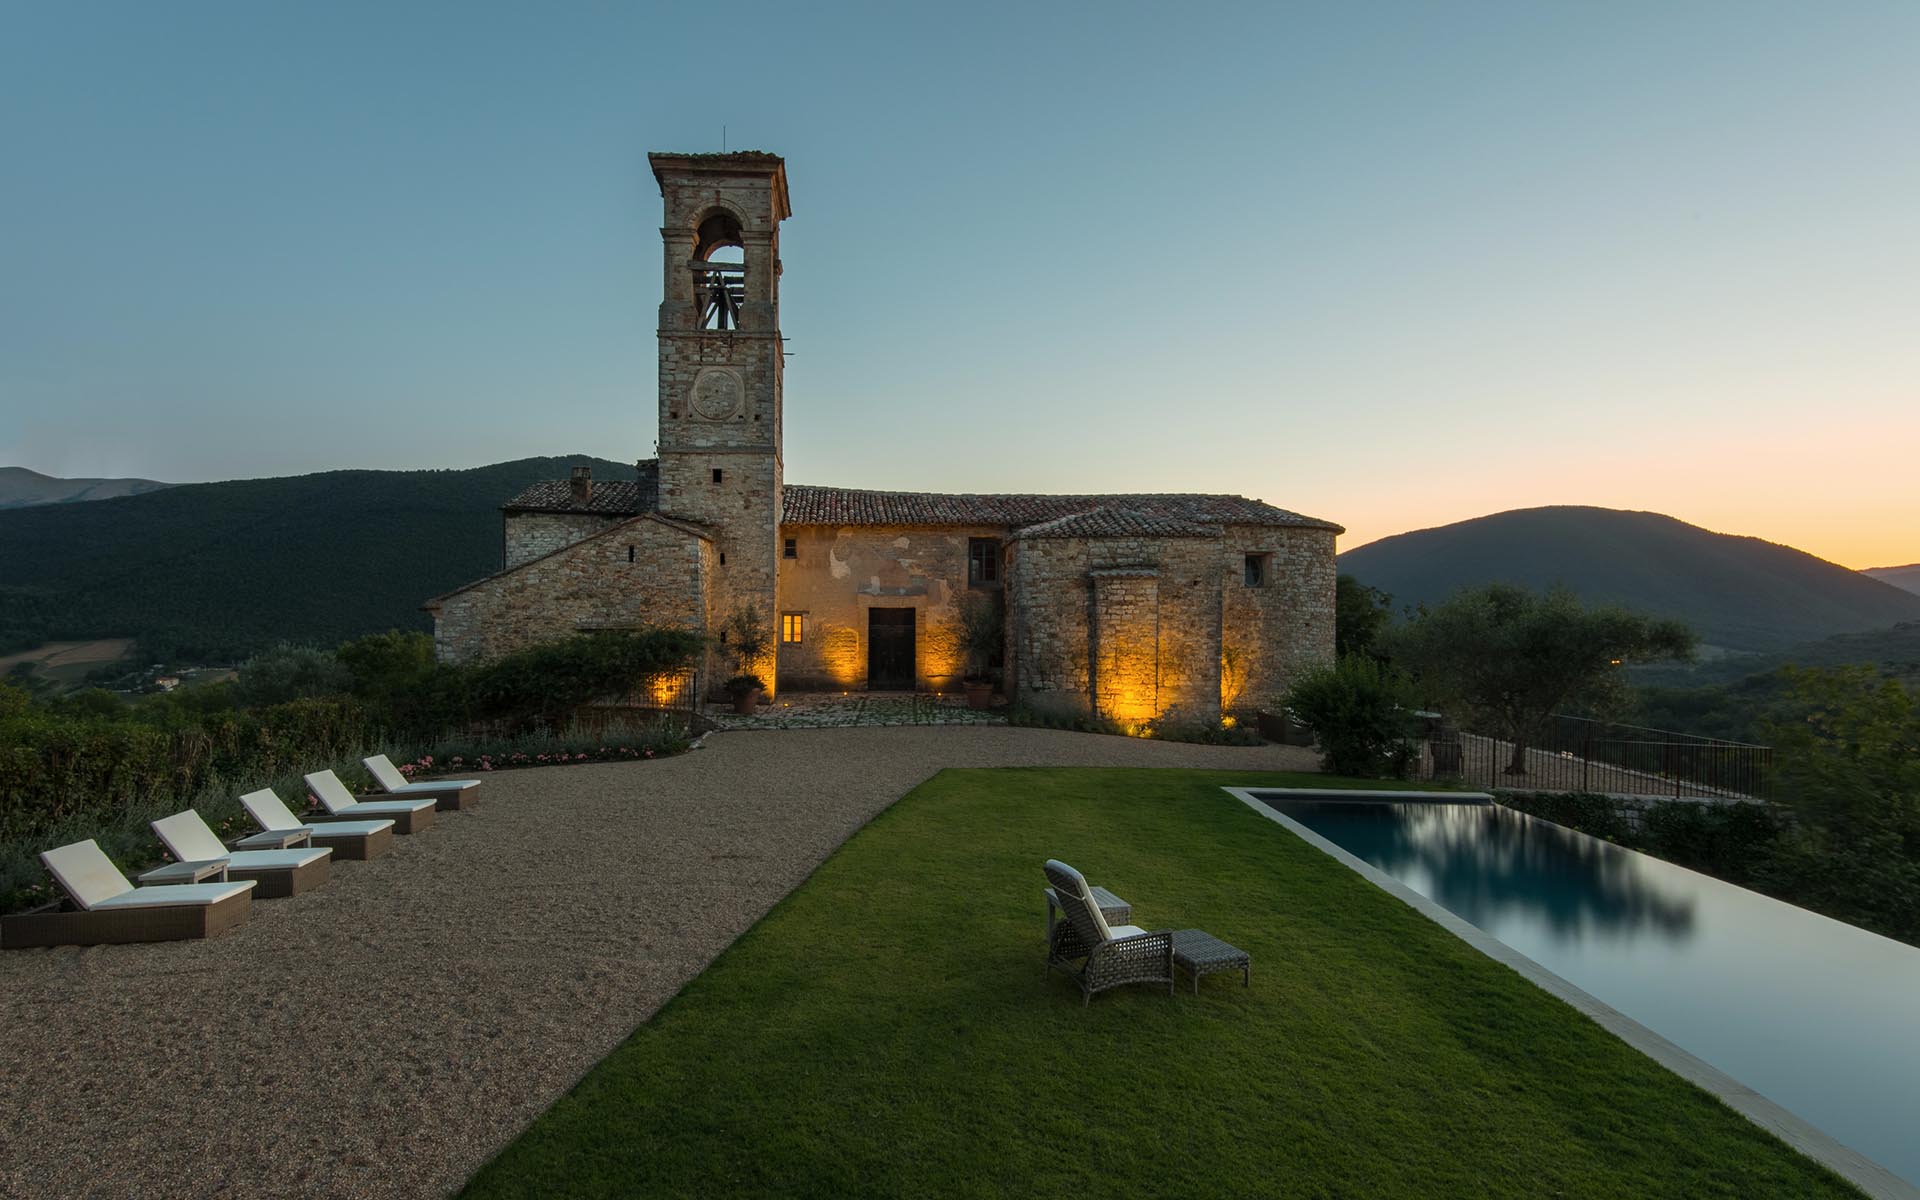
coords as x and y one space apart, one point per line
1737 592
212 571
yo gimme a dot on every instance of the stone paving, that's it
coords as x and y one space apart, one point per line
846 710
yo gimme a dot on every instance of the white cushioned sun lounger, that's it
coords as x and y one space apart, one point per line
277 872
347 839
106 908
339 804
449 795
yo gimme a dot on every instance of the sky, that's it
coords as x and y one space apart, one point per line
1394 265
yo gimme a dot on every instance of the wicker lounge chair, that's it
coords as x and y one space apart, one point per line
357 840
448 795
1115 955
105 908
275 873
337 803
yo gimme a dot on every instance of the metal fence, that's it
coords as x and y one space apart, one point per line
1576 754
674 695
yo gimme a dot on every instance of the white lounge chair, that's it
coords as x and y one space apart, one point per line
276 872
338 803
448 795
347 839
106 908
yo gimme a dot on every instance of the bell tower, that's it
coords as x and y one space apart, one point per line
721 360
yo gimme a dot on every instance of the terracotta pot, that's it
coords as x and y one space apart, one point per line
745 703
979 695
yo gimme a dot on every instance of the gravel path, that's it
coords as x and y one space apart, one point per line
386 1034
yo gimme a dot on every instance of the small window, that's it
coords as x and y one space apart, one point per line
793 628
1257 570
723 562
629 553
790 549
718 474
983 562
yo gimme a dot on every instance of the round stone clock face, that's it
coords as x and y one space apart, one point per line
716 395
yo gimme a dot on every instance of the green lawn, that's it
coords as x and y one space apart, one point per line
888 1030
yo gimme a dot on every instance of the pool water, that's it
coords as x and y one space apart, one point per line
1820 1017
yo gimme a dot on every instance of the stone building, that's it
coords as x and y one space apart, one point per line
1137 607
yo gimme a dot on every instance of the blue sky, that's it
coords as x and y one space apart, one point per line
1391 264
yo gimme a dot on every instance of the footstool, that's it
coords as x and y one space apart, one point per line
1200 953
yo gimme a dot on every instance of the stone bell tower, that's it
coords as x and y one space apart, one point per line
721 359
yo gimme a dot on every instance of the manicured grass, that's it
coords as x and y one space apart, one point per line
888 1030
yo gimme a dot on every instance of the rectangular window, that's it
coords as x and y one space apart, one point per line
1257 569
793 628
791 549
983 562
717 476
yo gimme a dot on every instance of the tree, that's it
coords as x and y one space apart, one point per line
1361 713
1510 658
1849 771
289 672
1360 613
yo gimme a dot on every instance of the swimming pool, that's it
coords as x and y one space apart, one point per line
1819 1016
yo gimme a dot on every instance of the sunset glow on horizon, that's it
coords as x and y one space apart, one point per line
1392 266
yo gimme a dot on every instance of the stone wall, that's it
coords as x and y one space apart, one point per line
1277 630
643 571
530 535
1128 627
838 573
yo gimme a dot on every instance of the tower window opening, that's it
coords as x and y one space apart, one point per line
629 553
720 273
718 475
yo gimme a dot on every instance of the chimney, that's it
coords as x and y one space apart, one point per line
582 485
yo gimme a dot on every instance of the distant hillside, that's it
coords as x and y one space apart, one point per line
212 571
20 487
1905 578
1737 592
1893 652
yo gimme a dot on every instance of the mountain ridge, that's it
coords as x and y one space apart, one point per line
1906 578
24 487
1737 591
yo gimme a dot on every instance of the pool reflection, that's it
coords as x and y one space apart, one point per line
1816 1015
1486 863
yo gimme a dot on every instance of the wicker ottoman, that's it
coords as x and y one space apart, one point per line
1199 953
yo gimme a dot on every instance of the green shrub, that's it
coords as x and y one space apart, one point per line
543 684
289 672
1361 715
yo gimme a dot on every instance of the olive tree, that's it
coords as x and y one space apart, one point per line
1509 658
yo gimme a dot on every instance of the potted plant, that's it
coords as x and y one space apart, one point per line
745 639
745 689
982 638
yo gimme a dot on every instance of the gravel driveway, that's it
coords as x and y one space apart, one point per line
386 1034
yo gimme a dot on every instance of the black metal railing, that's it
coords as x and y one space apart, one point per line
1578 754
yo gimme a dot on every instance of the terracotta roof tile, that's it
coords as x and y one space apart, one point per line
806 505
1115 515
611 497
1117 522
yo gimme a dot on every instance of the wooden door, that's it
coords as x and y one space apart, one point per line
890 649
